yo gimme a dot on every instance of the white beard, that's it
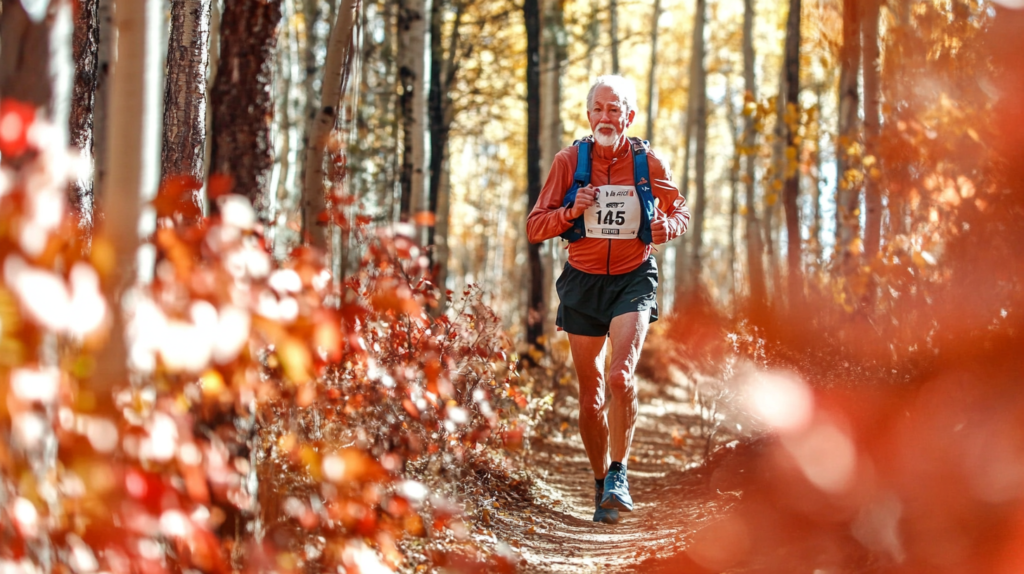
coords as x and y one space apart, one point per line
604 140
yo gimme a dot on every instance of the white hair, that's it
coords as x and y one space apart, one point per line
620 87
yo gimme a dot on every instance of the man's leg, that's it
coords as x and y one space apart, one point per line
627 333
588 357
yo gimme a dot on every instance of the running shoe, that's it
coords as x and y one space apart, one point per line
616 492
606 515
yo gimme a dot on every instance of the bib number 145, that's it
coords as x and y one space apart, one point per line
608 217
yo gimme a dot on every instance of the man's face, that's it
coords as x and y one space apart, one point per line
608 117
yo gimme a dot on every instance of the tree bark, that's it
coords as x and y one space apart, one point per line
613 14
755 261
553 56
184 131
128 162
242 98
411 44
104 63
314 197
85 48
791 161
872 127
536 311
699 87
847 188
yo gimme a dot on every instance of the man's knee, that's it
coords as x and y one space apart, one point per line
622 384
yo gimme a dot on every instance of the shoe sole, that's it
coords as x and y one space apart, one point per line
613 503
608 520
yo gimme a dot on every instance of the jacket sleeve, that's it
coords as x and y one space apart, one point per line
548 218
670 202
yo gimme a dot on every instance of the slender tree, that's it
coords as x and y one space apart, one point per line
242 97
314 197
536 311
613 16
791 187
127 164
652 74
872 126
700 123
411 45
847 187
104 63
85 49
553 56
184 133
755 261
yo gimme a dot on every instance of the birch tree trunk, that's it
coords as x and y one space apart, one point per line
699 87
847 188
755 261
128 162
85 48
872 127
553 56
411 46
791 160
242 98
684 245
314 197
536 312
184 131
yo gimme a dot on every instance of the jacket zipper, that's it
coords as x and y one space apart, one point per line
608 261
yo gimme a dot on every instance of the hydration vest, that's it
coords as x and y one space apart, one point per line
641 179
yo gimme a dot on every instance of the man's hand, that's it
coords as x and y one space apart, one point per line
659 229
585 197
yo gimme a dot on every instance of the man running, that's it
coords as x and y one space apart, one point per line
612 214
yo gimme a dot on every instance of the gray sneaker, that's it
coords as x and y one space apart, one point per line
606 515
616 492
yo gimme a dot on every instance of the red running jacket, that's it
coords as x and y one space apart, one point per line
593 254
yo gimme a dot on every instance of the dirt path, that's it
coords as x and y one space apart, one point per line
554 532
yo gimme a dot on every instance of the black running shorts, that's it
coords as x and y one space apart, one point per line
587 303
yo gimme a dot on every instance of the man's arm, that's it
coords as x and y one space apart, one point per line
548 218
673 218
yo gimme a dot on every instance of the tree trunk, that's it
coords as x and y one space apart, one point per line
104 62
699 84
734 184
536 311
872 127
792 156
314 197
242 98
128 162
553 56
755 261
652 77
411 44
184 133
847 188
85 46
613 14
815 121
36 64
684 245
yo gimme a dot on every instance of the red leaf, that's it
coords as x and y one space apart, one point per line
15 120
177 195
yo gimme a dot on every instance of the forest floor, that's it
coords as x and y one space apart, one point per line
551 528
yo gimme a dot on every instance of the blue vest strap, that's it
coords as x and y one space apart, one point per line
579 179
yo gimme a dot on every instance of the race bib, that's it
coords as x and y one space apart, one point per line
616 215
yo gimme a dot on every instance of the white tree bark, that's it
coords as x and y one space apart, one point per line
411 47
313 201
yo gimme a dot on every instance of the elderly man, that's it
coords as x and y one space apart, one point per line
613 199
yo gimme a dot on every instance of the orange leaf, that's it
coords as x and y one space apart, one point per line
426 218
177 195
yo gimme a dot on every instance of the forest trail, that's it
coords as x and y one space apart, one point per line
554 531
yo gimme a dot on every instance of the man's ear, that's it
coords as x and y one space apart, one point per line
629 120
